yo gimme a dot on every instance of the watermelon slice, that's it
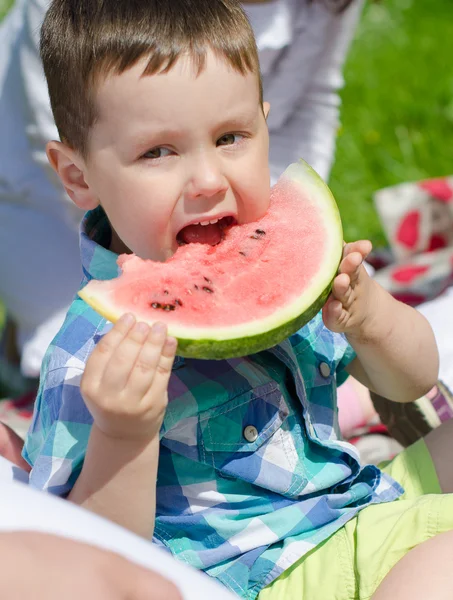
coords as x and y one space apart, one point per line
259 285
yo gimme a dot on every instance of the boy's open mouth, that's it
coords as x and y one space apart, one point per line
208 232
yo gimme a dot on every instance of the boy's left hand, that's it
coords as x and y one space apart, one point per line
349 305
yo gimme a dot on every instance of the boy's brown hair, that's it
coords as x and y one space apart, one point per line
85 40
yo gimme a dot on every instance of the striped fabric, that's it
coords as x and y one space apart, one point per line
253 473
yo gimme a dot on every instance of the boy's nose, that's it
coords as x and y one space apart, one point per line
207 179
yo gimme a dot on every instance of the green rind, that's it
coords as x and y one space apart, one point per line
218 350
215 349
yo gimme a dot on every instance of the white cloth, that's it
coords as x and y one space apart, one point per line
439 313
26 509
39 266
302 49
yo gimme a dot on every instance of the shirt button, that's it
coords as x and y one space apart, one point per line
324 369
251 433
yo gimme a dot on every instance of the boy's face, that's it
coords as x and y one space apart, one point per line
176 149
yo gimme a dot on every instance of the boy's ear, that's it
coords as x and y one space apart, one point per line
266 109
70 168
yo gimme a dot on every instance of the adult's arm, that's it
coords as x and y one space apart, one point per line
311 130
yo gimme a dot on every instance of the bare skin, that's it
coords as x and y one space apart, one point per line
396 350
51 574
125 388
425 572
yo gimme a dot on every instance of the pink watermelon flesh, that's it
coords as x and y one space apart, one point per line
246 287
203 285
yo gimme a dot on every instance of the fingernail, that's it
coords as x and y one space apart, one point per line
142 327
127 319
171 343
159 328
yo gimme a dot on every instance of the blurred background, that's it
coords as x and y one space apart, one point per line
397 120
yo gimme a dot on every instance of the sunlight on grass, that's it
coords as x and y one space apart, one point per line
397 118
5 5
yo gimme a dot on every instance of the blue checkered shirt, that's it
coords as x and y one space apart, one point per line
241 504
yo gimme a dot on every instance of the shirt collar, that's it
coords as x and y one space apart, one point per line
95 233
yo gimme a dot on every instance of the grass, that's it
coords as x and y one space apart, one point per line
5 5
397 116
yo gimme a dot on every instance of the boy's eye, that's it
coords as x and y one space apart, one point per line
157 153
228 139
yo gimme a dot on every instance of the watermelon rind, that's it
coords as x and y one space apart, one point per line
259 334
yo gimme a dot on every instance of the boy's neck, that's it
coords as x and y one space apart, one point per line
117 245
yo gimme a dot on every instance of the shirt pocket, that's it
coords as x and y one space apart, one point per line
248 438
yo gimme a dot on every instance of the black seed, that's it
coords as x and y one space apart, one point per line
206 289
207 280
196 286
166 292
178 302
169 307
260 231
243 253
156 305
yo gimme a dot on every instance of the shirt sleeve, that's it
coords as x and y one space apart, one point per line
56 442
311 129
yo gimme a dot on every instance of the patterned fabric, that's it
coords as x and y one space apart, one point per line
418 221
241 507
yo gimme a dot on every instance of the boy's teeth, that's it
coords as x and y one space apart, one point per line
213 222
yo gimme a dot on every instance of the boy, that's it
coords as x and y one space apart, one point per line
159 109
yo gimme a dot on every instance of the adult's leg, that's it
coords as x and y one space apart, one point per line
424 573
440 445
25 509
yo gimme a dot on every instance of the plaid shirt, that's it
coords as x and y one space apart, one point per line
241 504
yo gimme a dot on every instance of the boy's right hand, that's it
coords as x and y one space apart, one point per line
126 378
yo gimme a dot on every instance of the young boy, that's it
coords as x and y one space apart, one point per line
242 473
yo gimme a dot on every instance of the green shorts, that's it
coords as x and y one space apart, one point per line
351 564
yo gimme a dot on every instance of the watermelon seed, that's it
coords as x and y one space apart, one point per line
166 292
207 280
196 286
258 234
206 289
169 307
178 302
156 305
243 253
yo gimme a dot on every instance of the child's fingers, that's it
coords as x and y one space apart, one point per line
350 264
163 371
118 369
103 352
332 314
364 247
143 373
341 286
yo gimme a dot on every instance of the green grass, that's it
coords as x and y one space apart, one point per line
5 6
397 116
